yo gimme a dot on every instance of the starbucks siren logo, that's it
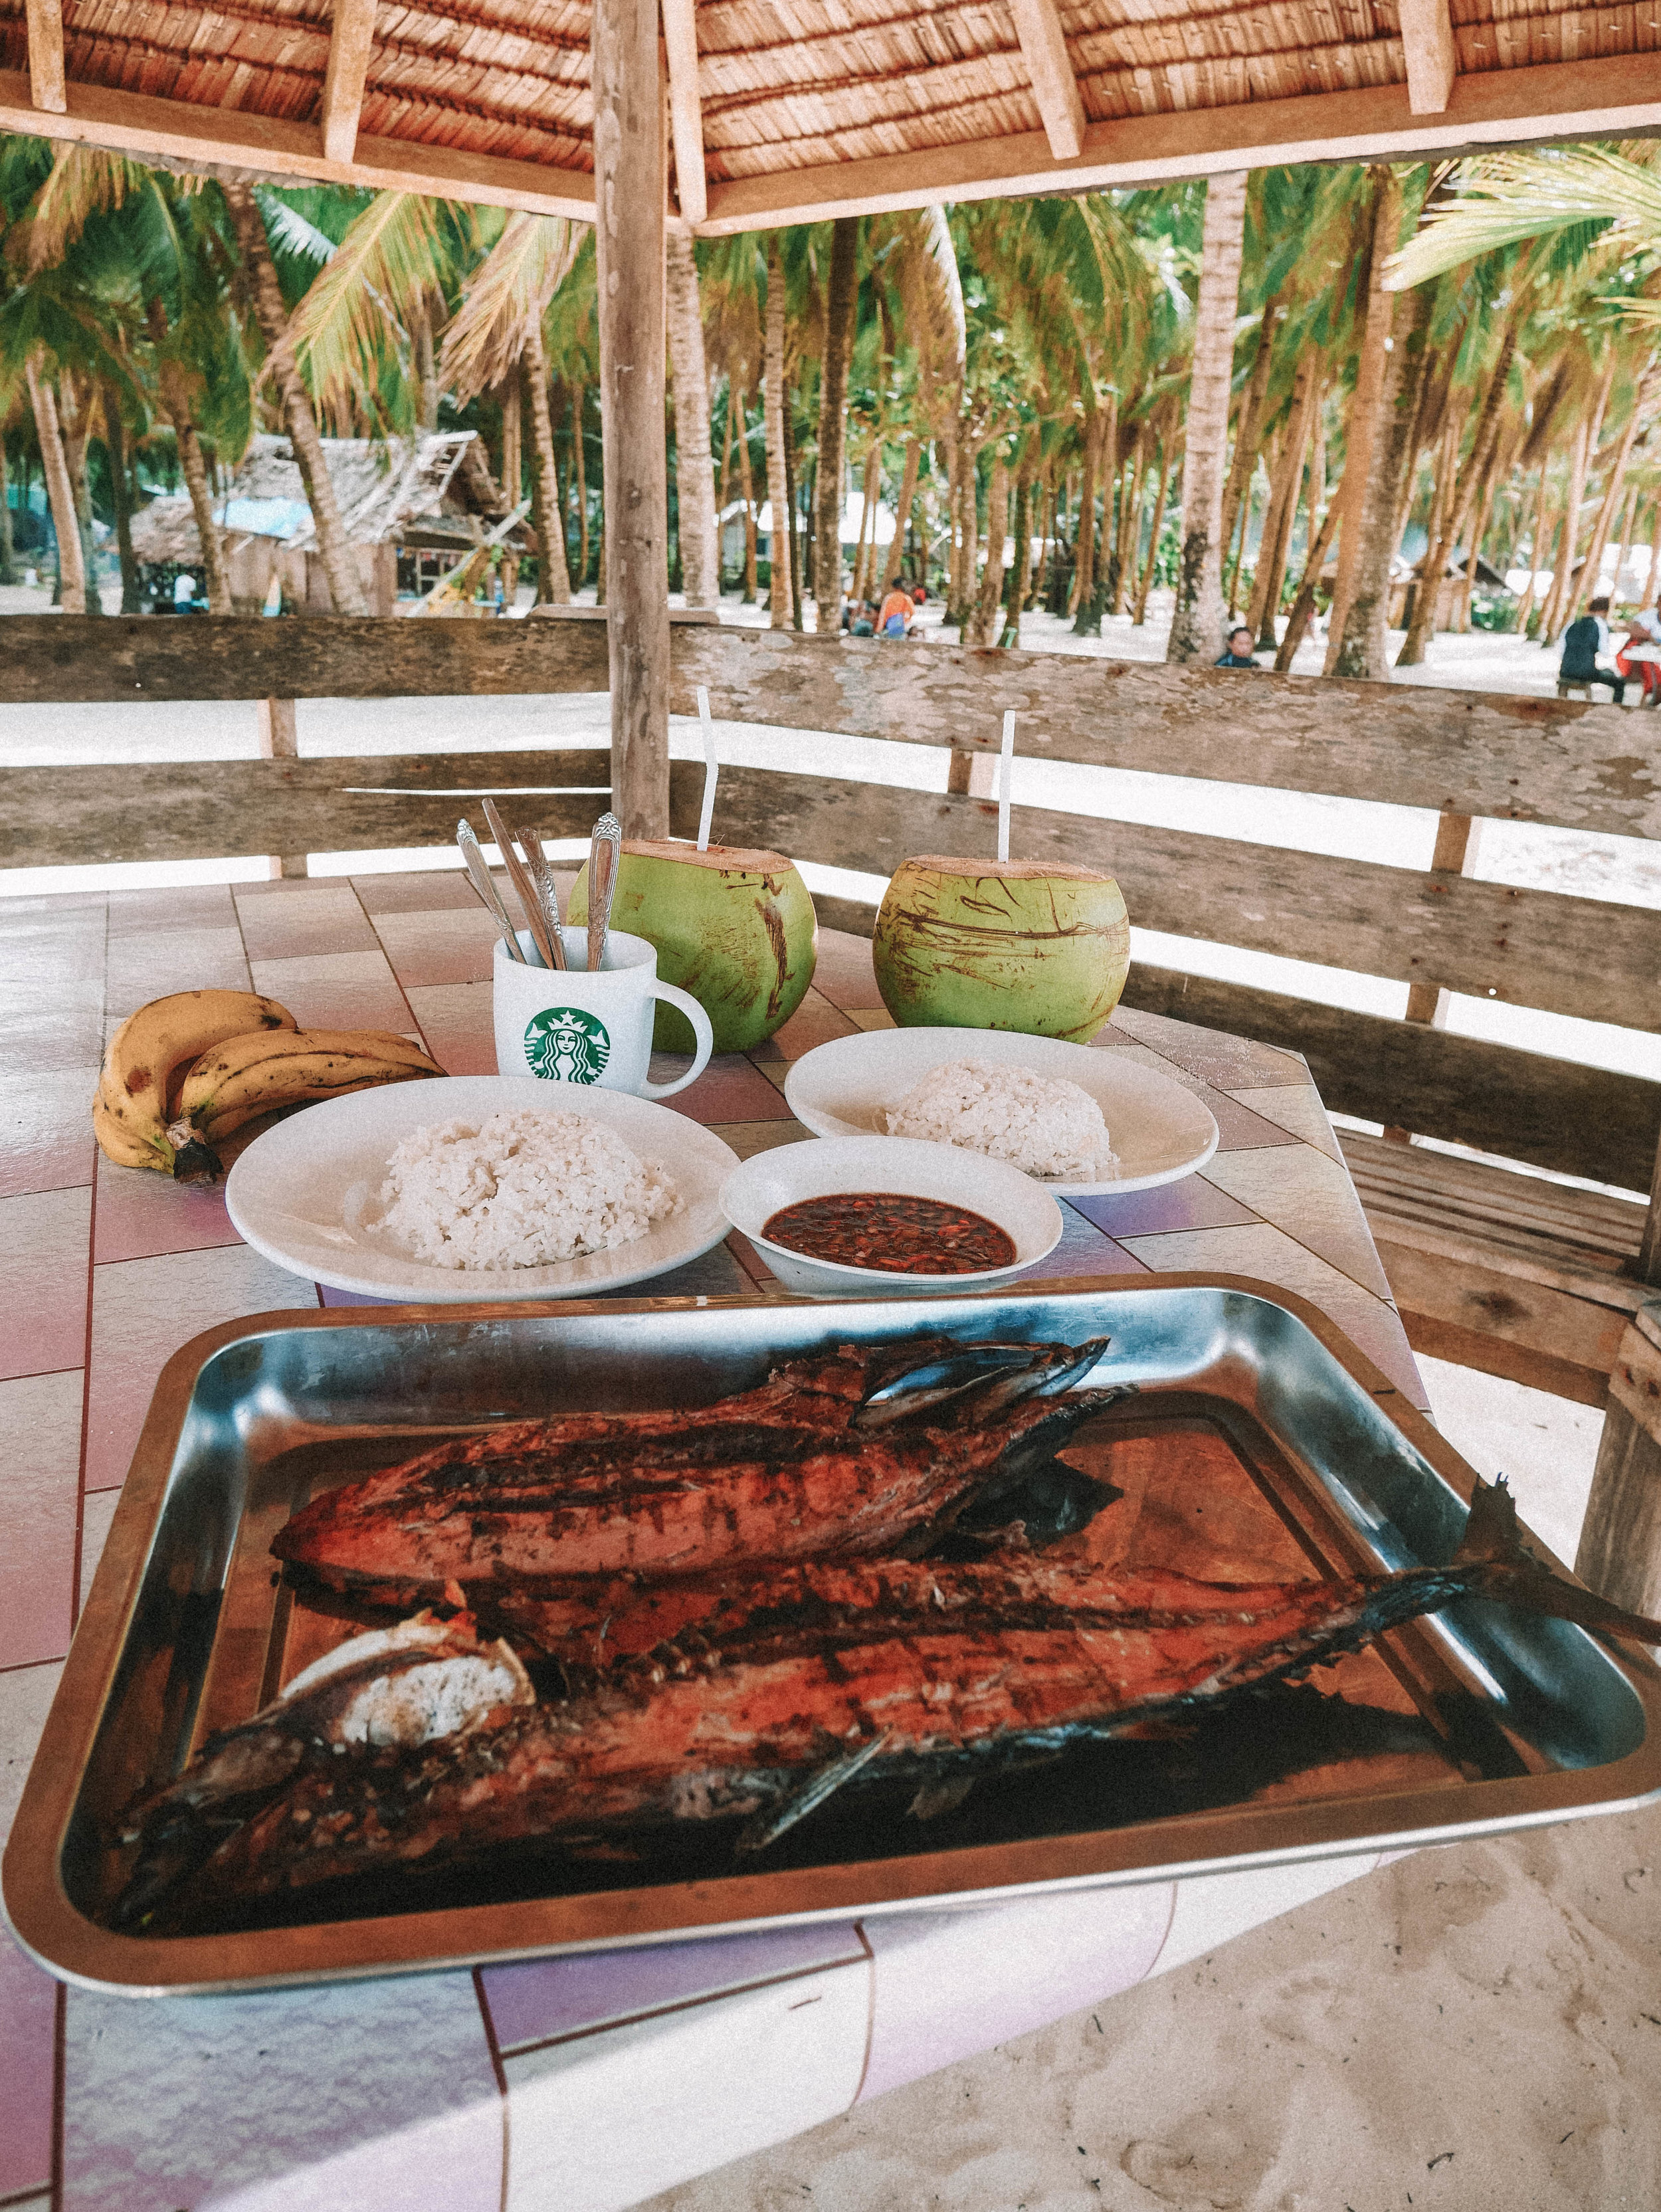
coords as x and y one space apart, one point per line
567 1045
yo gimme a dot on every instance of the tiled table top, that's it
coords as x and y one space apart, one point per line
607 2067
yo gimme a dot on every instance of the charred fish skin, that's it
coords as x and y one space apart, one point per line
637 1494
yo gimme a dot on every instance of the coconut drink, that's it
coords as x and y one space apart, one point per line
736 928
1035 945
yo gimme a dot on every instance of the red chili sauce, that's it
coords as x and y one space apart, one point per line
900 1235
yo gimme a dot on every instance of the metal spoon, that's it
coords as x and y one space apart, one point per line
478 874
522 883
604 851
547 890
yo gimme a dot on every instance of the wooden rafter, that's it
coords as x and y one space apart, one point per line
46 90
1614 96
686 109
1055 89
342 87
1432 61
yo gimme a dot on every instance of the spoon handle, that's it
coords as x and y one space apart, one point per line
522 883
547 889
478 875
604 851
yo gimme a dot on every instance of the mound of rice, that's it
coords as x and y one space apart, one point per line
1040 1123
523 1189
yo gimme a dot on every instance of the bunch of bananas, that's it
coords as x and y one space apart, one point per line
185 1070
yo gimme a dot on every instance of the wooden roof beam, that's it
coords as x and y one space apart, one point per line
1616 96
1055 89
342 87
1432 61
686 108
47 89
134 123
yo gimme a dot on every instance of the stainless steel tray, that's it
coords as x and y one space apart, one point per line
1261 1444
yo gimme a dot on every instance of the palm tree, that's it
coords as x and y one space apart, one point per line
689 377
1197 623
841 309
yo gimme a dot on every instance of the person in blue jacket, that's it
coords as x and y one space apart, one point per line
1238 651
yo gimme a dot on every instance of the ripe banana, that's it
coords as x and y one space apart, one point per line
146 1059
250 1076
116 1142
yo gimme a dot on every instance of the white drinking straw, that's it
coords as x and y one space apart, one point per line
712 770
1006 770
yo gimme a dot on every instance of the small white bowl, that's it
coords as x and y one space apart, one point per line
1022 1208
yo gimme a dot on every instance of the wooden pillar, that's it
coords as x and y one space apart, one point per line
631 188
278 739
1454 854
1620 1553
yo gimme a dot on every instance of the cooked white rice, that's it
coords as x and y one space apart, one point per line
523 1189
1040 1123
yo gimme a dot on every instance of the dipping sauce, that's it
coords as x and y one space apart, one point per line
899 1236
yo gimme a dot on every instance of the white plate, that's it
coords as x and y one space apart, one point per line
292 1193
1160 1131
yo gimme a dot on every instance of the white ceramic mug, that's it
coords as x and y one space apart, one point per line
572 1027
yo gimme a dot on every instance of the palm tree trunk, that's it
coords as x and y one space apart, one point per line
339 563
1652 581
986 624
71 571
512 443
426 370
1021 583
553 577
794 557
1150 567
1087 621
1197 623
902 512
1268 582
746 492
723 488
579 469
869 490
694 470
175 391
1128 541
1628 520
1600 528
841 307
781 597
1363 647
1536 547
7 571
76 425
115 444
1297 623
1084 535
1247 439
1585 448
1459 509
1366 414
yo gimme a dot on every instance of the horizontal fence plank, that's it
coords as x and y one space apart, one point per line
84 660
189 809
1528 760
1536 760
1522 1105
1553 1113
1539 949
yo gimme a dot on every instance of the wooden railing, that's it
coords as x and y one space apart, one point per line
1465 754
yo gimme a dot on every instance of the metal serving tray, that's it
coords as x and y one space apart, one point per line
1261 1444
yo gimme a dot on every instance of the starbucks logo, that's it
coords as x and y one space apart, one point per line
568 1045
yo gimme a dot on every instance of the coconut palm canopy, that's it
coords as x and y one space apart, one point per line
784 114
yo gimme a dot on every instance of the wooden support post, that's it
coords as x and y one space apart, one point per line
342 84
46 32
630 190
278 739
1433 61
1454 854
1055 89
686 108
972 775
1620 1553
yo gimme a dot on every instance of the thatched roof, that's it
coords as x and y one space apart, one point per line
791 110
434 490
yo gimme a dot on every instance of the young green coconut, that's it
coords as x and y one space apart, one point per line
736 928
1034 946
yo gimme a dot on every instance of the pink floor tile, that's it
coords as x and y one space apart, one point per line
46 1129
1193 1203
844 975
286 923
1240 1130
1231 1063
151 963
28 2005
181 906
416 892
455 1020
445 947
39 1499
1084 1250
337 990
728 1089
140 1213
44 1241
814 1022
546 1999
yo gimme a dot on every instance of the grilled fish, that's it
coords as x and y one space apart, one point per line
813 1677
851 1453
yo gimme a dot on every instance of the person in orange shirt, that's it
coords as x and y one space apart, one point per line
895 614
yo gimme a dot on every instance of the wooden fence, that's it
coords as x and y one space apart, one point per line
1467 756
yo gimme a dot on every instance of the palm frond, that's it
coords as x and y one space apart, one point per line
83 181
506 296
1505 199
290 232
390 262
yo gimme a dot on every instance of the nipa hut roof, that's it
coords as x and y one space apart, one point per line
790 110
424 490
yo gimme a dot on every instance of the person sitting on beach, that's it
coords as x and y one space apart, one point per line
1583 642
895 616
1641 655
1237 653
